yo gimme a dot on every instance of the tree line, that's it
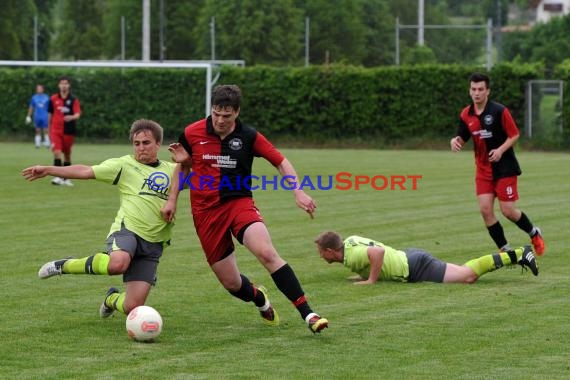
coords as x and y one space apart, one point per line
271 32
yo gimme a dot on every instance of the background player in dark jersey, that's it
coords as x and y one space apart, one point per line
221 148
139 234
39 104
374 261
64 111
494 134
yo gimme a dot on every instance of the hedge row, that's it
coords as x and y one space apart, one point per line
387 104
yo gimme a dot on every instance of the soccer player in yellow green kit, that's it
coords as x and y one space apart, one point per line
139 233
373 261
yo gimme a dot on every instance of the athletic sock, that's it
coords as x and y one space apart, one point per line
287 282
38 140
258 297
525 224
497 234
247 292
489 263
96 264
116 301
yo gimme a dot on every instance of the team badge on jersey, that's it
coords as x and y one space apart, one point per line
488 119
235 143
158 181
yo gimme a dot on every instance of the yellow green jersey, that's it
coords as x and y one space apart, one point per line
144 190
394 268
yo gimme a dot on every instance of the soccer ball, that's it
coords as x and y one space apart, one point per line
144 323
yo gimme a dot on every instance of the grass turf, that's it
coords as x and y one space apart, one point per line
507 325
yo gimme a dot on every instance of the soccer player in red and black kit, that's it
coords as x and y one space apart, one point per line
220 151
494 133
64 109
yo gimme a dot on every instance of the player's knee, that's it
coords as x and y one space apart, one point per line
117 267
486 211
270 259
510 213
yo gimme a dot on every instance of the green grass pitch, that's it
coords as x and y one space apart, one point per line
506 326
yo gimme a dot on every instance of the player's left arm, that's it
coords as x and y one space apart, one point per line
376 257
512 132
263 148
303 200
76 112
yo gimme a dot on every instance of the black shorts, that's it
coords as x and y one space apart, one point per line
144 255
424 267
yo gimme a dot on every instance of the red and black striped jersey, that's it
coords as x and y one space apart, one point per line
221 169
490 129
60 107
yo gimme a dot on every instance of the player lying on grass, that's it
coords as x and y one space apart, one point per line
139 233
374 261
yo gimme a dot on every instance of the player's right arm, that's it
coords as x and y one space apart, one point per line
29 115
461 136
376 257
456 144
72 172
50 114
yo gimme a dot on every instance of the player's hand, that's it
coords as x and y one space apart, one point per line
306 203
456 144
179 154
28 119
495 155
35 172
366 282
168 211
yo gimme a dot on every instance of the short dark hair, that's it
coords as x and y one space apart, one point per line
479 77
64 77
228 95
146 125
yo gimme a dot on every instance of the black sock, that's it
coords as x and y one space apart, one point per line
289 285
497 234
57 162
524 223
247 292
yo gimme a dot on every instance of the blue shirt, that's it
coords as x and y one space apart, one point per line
40 103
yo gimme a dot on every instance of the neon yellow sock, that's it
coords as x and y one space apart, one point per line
489 263
116 301
96 264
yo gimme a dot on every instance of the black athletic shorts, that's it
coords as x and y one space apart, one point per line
144 255
424 267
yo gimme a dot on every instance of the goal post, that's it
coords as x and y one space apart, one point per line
543 114
488 27
208 66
